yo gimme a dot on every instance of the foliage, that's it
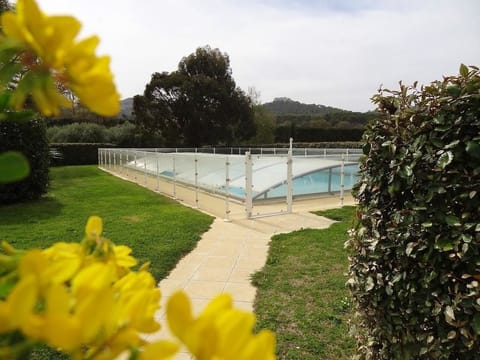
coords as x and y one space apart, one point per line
76 153
78 133
415 269
125 134
28 137
301 291
313 134
71 294
39 60
198 104
264 125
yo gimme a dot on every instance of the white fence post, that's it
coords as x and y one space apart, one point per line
342 178
196 180
127 171
145 167
158 173
135 163
248 184
289 181
227 189
174 177
330 180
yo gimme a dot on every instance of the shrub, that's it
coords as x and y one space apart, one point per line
27 136
123 135
78 133
415 268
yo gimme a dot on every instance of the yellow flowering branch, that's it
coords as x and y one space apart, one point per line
47 52
86 299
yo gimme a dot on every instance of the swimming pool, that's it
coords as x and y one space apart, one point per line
227 174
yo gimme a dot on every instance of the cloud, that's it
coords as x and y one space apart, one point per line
311 51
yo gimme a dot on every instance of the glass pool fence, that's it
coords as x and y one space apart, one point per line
245 175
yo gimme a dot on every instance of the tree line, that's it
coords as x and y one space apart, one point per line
199 104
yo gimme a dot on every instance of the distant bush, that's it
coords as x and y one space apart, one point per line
76 153
28 137
123 135
415 267
78 133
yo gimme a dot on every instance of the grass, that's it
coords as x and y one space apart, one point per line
156 228
302 294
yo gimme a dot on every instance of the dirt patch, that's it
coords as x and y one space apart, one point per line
132 218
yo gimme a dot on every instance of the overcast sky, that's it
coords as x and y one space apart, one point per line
328 52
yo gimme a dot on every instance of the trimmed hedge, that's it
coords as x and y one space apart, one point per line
28 137
312 145
76 153
314 134
415 267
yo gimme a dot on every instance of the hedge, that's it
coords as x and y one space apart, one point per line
27 136
415 263
313 134
76 153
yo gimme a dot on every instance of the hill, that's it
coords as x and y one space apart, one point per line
126 108
287 106
289 112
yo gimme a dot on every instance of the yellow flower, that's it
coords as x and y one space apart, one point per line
94 227
220 332
122 256
50 52
90 78
137 301
159 350
50 37
17 308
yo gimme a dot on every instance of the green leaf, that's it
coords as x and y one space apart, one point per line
454 90
475 324
408 170
13 167
445 159
463 70
452 220
473 149
445 244
4 101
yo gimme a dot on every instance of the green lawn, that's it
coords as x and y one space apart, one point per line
302 294
156 228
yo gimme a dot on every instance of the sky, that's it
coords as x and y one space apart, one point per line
334 53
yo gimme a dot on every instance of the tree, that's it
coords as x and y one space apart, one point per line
264 125
198 104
